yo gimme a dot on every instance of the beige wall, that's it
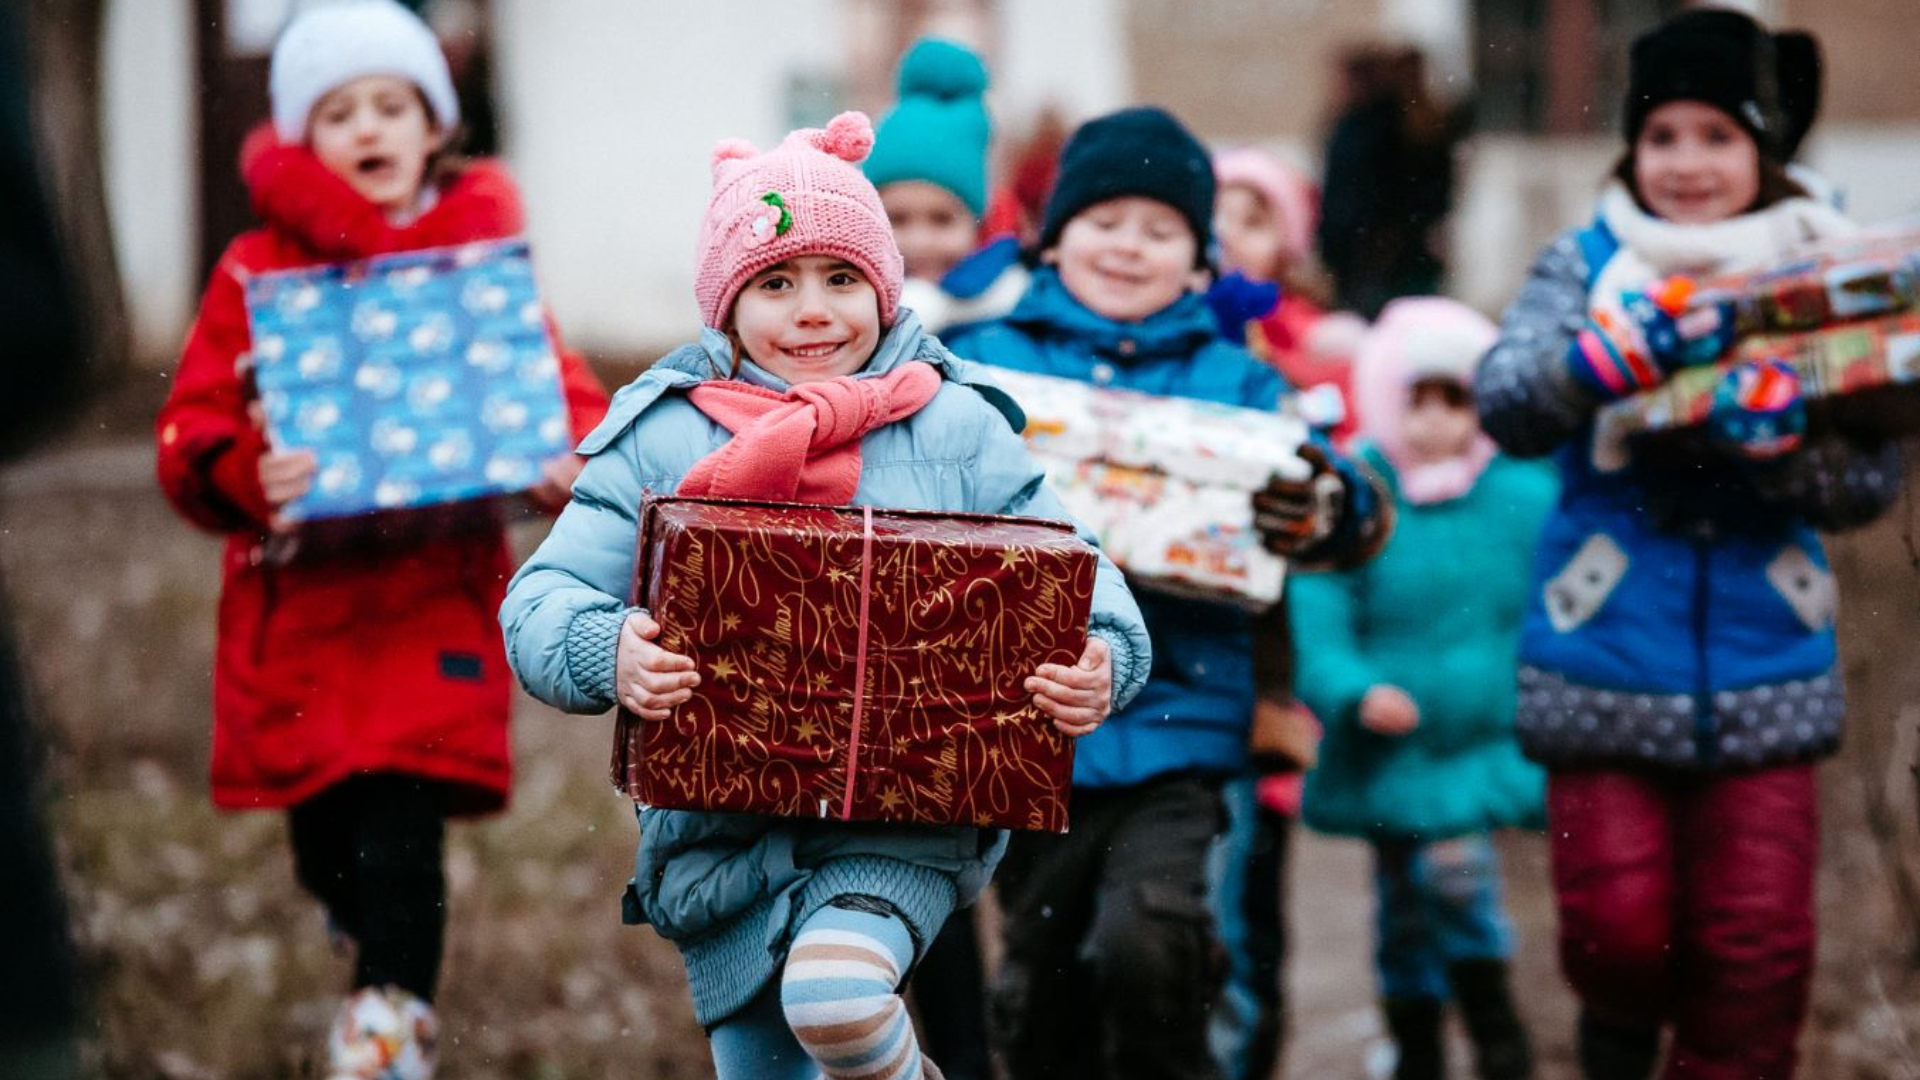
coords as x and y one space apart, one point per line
1873 67
1244 69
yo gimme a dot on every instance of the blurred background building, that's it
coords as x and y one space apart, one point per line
606 110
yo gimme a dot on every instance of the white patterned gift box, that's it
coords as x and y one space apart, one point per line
416 379
1165 483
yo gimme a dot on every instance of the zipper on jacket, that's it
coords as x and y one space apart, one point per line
1704 743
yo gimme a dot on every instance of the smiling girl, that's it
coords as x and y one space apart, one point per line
1677 659
364 693
797 934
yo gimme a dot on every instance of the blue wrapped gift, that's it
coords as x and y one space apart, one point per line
416 379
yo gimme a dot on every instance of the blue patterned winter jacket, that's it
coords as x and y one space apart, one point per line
1682 612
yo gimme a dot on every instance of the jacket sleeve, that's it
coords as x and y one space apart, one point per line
208 451
564 608
1331 673
1011 482
1529 401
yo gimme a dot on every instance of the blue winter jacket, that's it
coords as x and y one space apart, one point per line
1194 713
728 888
1437 614
1682 614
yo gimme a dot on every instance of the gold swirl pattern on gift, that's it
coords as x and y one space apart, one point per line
766 600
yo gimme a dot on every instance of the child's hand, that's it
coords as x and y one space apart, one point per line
1078 697
1387 710
1294 513
285 475
650 681
557 475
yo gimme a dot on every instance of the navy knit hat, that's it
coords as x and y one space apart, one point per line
1768 83
1141 151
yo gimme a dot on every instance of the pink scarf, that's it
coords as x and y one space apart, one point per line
803 445
1441 481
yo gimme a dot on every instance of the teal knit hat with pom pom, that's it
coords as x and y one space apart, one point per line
938 132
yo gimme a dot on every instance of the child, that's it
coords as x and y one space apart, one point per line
1110 962
1265 218
1409 668
1677 659
794 932
366 693
929 162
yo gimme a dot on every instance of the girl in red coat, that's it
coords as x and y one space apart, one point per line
364 692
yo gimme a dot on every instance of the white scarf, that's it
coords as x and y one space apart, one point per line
1652 249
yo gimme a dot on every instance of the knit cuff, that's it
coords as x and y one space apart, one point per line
1599 363
593 644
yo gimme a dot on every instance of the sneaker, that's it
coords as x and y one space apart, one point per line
382 1033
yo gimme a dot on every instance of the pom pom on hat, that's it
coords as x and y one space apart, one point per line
938 132
848 137
329 45
732 150
942 70
804 197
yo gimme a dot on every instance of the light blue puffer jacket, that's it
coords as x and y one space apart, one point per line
728 888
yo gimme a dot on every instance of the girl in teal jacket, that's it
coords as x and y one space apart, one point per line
1409 662
799 284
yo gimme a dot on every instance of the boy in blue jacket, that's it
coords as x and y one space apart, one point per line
1111 958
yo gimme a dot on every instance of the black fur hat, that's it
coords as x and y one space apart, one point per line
1768 83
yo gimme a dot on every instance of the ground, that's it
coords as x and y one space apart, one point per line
204 959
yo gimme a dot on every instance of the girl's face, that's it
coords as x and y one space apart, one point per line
1440 423
809 318
1249 229
375 133
1127 258
934 229
1694 166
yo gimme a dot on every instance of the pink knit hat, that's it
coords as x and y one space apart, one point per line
806 196
1287 191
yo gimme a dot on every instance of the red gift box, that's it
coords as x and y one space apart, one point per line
858 664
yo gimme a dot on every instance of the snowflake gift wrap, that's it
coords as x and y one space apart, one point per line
416 379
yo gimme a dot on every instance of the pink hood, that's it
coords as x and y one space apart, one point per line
1420 337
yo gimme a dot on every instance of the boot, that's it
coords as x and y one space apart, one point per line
1414 1024
382 1033
1612 1050
1502 1049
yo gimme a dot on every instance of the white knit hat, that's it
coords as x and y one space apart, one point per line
329 45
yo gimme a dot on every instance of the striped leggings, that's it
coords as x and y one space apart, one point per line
836 1012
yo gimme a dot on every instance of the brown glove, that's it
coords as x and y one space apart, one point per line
1293 515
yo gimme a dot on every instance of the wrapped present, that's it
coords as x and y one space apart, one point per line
1865 375
1866 275
417 379
859 665
1165 483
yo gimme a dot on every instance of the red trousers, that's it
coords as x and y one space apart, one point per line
1689 901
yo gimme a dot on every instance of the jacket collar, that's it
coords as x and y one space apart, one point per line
1175 330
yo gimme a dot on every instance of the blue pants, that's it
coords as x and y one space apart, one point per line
1439 904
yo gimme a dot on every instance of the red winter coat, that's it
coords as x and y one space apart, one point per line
389 661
